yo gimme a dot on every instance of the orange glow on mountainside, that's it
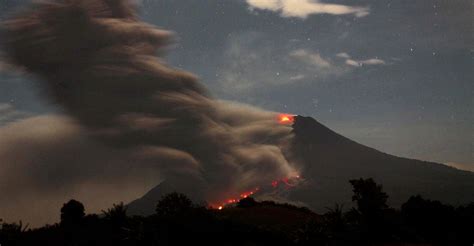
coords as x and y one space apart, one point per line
288 182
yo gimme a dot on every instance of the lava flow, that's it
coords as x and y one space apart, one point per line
286 119
286 181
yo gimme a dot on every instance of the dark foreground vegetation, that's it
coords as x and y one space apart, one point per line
178 221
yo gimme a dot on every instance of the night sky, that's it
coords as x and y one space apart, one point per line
394 75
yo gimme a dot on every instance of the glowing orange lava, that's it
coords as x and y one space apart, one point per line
286 119
274 184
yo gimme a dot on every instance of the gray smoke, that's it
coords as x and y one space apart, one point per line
98 61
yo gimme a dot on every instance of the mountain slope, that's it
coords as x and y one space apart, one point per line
146 205
328 161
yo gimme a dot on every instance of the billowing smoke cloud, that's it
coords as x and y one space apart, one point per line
133 117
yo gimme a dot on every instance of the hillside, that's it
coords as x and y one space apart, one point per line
328 160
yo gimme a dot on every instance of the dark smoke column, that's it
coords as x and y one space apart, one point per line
98 61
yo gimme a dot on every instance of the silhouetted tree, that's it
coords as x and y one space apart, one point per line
430 219
72 212
117 215
369 196
311 232
371 209
181 222
173 204
11 232
465 223
334 219
246 202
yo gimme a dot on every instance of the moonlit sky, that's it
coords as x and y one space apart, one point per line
394 75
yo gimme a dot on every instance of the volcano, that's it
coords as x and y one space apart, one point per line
328 160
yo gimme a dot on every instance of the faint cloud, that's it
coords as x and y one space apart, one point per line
359 63
351 62
252 60
343 55
314 59
313 64
297 77
273 5
304 8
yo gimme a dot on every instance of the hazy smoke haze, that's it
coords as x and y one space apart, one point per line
131 119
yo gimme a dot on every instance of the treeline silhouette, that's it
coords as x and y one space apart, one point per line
179 221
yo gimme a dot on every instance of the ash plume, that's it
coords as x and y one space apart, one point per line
99 62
